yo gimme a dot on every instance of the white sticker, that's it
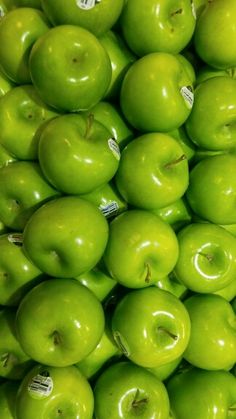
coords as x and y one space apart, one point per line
15 238
87 4
122 345
109 209
41 385
187 93
114 148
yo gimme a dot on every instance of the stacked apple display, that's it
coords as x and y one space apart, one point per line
117 209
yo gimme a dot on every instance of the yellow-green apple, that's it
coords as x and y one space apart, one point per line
5 157
183 139
8 392
228 292
177 214
5 84
98 282
171 284
165 371
206 72
36 4
198 7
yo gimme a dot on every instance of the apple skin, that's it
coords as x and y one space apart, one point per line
165 371
141 248
169 283
153 171
18 277
69 324
125 390
214 317
71 237
204 394
19 29
187 145
22 113
214 100
23 189
81 145
98 282
215 34
98 19
36 4
151 327
8 392
142 100
177 214
5 157
71 395
206 72
207 257
159 26
228 292
70 68
211 190
5 84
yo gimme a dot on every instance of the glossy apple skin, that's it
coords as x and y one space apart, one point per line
82 148
71 396
15 278
70 68
73 232
5 157
169 283
97 19
142 100
151 327
125 390
22 113
215 34
23 189
5 84
69 324
167 370
183 139
141 249
212 344
14 362
228 292
146 177
214 100
98 282
207 257
204 394
206 72
177 214
8 391
19 29
212 188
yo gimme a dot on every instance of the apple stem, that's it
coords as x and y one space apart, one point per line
137 403
172 335
207 256
148 274
174 162
89 123
56 338
177 12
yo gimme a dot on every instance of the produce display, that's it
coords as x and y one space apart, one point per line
117 209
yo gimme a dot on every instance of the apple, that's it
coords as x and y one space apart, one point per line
228 292
207 257
199 393
159 26
70 68
3 9
157 93
19 29
17 273
85 150
8 392
95 15
177 214
151 327
153 171
23 189
183 139
5 157
211 190
22 114
141 248
14 362
71 237
215 34
127 391
212 343
214 100
167 370
206 72
59 328
29 3
98 282
171 284
54 393
5 84
198 7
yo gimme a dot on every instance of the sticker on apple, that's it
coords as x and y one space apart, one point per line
187 93
114 148
121 343
41 385
109 209
87 4
15 238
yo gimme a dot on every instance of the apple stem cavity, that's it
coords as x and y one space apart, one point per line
89 123
167 332
176 161
208 256
56 338
138 403
148 274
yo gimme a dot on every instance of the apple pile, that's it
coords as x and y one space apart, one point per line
117 209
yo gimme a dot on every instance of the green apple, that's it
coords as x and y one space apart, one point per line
228 292
169 283
207 257
22 113
98 282
211 190
59 322
14 362
70 68
5 84
214 100
19 29
5 157
54 393
215 34
23 189
206 72
212 343
202 394
177 214
187 145
153 171
141 249
203 153
95 15
121 58
198 7
125 390
36 4
17 273
151 327
165 371
8 392
71 237
157 26
157 93
3 9
77 154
